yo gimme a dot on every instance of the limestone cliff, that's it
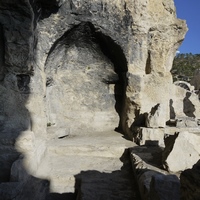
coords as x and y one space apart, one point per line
83 66
124 45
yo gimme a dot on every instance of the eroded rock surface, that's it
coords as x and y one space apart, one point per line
72 68
81 79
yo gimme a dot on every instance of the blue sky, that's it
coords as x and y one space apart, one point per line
190 11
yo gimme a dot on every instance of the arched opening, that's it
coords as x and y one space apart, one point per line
86 81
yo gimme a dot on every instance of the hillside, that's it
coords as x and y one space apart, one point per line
184 66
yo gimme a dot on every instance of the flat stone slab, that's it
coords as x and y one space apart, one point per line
97 165
155 136
108 144
171 130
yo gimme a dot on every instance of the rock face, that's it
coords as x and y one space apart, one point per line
80 67
83 81
113 46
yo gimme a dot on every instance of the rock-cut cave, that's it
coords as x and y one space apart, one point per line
86 81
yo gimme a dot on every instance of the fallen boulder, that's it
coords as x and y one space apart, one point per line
181 151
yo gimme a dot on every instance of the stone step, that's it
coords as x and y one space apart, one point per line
97 150
111 144
91 163
172 130
61 170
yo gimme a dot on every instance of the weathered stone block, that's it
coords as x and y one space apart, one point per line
150 136
157 117
182 151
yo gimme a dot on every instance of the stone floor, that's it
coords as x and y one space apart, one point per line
93 165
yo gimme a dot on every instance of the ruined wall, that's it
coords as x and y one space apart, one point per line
85 65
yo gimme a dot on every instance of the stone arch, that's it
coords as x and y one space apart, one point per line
183 84
86 81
